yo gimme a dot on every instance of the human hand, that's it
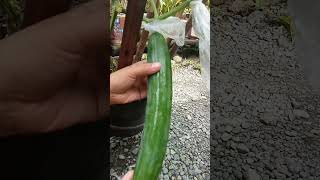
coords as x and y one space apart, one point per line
130 83
128 176
53 74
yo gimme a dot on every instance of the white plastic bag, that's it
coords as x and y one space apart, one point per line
201 26
172 27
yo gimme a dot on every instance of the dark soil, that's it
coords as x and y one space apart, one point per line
264 115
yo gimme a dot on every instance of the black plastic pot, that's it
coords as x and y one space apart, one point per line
127 119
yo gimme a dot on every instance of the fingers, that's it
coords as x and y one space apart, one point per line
128 176
144 69
81 29
141 62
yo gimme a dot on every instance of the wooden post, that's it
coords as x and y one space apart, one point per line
134 16
142 44
144 37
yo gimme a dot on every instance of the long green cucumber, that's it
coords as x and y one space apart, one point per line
158 112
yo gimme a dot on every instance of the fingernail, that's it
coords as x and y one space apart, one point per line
155 65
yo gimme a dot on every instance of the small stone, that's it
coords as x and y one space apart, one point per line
125 150
252 175
282 42
182 173
295 104
233 145
166 177
250 160
311 107
225 175
301 113
176 157
121 157
245 125
243 148
291 133
165 170
197 170
214 143
172 151
189 117
177 59
315 131
267 119
237 173
255 17
225 137
235 103
236 129
236 139
291 116
293 166
228 129
303 174
135 151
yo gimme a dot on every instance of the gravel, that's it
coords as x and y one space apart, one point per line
188 151
275 124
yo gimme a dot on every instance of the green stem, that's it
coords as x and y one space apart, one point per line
154 7
147 20
175 10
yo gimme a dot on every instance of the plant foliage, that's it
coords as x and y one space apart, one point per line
12 9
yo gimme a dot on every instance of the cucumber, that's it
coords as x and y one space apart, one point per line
158 112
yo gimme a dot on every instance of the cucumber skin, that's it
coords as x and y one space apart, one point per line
158 112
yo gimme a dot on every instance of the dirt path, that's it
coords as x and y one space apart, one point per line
265 118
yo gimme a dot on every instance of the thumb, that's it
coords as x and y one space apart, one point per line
144 69
128 176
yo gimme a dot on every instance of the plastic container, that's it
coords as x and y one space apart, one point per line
127 119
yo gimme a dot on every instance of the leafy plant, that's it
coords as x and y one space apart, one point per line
259 4
179 8
167 5
286 21
12 9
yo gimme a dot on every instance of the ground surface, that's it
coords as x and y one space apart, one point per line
265 118
188 152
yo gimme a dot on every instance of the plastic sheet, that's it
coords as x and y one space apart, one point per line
201 26
172 27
